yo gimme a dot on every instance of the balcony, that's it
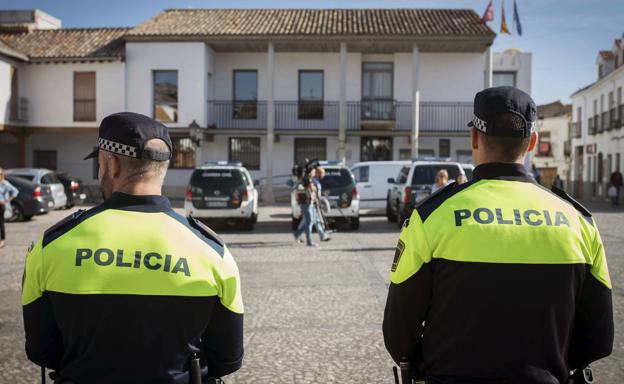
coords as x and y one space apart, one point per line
19 110
620 117
591 128
325 115
574 130
237 114
614 119
606 121
597 124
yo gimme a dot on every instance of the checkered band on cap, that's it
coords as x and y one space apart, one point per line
118 148
479 124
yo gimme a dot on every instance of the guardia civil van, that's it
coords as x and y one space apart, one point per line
222 191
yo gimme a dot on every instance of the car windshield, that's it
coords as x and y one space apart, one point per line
217 178
425 174
336 178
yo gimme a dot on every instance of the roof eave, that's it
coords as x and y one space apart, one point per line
37 60
14 55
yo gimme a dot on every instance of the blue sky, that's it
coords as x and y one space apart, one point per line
563 35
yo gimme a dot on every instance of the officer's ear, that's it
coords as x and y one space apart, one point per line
474 138
533 142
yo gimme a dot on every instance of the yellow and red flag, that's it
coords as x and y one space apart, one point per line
504 28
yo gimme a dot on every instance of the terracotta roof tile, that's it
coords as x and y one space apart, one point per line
314 22
84 43
607 55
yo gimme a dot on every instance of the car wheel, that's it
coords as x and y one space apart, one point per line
392 218
18 213
355 223
248 224
295 223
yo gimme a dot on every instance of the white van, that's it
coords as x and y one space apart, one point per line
372 181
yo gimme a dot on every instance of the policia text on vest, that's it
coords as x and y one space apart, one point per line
138 259
515 217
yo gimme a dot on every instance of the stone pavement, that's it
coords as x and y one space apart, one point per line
312 316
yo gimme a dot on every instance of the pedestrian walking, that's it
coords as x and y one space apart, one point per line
441 180
616 182
7 193
130 291
318 211
305 195
558 182
477 295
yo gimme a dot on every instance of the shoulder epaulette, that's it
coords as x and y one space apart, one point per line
579 207
204 230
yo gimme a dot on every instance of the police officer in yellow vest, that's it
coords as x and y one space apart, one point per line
130 291
499 280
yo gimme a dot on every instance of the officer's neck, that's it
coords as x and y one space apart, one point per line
140 189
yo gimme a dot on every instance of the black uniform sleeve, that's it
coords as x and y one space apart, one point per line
593 332
222 342
409 295
44 343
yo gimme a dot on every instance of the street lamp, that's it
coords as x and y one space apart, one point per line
196 132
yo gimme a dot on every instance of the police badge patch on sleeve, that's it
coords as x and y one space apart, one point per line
397 255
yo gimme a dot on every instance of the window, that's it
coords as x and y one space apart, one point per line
14 95
245 104
310 149
500 79
402 178
50 178
45 159
361 174
183 153
405 154
245 150
445 148
544 147
376 149
166 96
377 91
84 96
310 94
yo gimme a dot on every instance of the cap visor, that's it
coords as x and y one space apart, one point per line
470 124
92 154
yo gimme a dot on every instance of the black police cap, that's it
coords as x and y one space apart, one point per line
491 103
126 133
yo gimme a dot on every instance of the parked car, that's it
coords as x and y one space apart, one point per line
222 191
412 185
41 176
338 187
32 199
74 189
371 178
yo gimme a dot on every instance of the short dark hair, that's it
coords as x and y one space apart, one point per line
506 149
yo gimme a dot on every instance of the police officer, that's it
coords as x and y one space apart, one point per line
499 280
130 291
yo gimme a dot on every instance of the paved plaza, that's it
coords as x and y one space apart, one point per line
312 316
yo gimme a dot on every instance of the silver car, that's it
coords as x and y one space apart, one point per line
45 177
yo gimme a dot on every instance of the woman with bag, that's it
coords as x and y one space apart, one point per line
7 193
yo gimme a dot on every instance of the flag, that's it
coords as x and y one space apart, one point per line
504 28
488 15
516 19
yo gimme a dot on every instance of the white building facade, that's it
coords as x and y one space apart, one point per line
596 134
306 86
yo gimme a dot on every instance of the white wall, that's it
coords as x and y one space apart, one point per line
189 59
5 87
515 61
445 76
70 152
50 92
